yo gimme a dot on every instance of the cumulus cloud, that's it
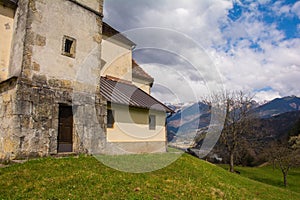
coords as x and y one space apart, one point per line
296 8
233 47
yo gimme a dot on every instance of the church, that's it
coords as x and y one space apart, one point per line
69 84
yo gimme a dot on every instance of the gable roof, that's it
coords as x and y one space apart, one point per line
113 34
138 72
125 93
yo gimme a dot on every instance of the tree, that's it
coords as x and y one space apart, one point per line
237 120
285 155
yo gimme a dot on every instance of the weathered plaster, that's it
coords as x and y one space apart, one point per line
6 31
118 60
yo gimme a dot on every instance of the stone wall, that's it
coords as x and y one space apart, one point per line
29 107
38 115
48 22
6 32
29 115
9 124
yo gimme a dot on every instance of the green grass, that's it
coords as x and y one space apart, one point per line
271 176
140 163
84 177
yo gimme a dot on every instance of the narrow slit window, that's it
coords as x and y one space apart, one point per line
69 46
152 122
110 118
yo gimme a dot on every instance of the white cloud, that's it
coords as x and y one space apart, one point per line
266 96
275 62
264 1
296 8
182 12
178 87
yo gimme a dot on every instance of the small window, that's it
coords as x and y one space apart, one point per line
110 118
69 46
152 122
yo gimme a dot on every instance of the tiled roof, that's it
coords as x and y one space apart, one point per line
112 33
138 72
125 93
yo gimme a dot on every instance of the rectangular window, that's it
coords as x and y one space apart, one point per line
152 122
69 46
110 118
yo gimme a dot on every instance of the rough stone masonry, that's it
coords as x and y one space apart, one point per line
41 78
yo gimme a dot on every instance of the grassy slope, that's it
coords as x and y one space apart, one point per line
86 178
272 176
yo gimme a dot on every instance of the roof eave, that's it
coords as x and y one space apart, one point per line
112 34
145 108
9 3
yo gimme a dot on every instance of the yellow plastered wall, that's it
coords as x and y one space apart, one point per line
132 125
118 60
6 34
144 87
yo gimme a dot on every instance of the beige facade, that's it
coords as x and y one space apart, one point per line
145 86
118 60
47 51
132 125
6 31
131 132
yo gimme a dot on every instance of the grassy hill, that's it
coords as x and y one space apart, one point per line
273 177
84 177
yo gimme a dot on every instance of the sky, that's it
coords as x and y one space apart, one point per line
193 47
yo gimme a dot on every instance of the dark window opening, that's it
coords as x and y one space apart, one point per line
69 46
152 122
110 118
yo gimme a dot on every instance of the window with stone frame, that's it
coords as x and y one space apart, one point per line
69 46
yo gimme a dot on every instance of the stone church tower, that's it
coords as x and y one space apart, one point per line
48 48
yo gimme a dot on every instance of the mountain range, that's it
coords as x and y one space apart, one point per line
188 121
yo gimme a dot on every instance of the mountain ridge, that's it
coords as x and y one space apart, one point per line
184 125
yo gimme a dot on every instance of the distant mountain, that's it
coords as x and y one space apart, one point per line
184 124
189 118
264 131
278 106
